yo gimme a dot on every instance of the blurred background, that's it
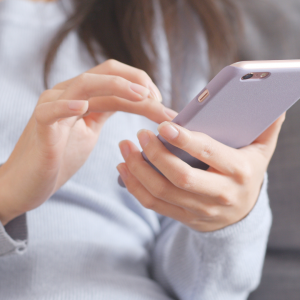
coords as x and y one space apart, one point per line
272 31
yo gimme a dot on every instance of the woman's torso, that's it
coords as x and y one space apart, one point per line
92 239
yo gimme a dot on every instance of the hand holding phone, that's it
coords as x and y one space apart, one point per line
203 200
238 104
237 109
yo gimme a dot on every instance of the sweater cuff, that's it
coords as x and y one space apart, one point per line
259 217
13 236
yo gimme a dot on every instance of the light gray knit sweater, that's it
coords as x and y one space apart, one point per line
92 239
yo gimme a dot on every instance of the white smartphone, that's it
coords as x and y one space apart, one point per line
239 103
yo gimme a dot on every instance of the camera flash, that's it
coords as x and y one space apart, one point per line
263 75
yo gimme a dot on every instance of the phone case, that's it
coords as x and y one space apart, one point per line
237 111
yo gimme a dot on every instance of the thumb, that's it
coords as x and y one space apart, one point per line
268 139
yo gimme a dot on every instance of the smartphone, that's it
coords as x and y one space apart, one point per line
239 103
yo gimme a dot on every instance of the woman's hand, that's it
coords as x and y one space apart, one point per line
64 129
203 200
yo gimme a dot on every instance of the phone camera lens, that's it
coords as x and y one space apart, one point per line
247 76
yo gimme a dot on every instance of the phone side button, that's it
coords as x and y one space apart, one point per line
203 96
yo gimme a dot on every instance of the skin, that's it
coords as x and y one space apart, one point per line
203 200
65 127
70 116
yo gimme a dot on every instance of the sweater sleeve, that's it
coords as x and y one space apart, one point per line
13 236
224 264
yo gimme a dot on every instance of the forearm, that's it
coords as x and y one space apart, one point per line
11 190
225 264
13 235
5 213
25 181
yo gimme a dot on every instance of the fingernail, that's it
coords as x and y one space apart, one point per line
170 113
139 89
123 171
155 92
125 149
143 137
77 104
167 131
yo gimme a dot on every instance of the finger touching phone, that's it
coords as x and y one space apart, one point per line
238 104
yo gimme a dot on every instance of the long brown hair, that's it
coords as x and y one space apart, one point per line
122 27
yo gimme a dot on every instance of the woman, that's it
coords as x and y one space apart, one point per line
192 234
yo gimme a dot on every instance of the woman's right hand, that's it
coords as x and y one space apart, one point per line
64 129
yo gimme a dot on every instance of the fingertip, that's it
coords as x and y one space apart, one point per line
125 149
125 142
167 130
144 137
123 170
161 125
121 142
78 105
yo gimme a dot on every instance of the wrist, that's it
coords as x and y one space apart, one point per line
7 211
5 218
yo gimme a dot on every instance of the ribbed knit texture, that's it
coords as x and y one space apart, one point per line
92 239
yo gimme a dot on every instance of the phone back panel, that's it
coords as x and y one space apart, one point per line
237 111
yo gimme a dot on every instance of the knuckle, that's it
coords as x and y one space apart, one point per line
210 212
82 79
184 180
149 204
244 173
111 64
143 76
225 196
226 199
153 155
39 113
160 191
207 149
81 83
46 96
116 82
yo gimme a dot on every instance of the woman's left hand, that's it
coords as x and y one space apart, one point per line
203 200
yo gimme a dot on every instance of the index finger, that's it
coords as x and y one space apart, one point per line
223 158
116 68
153 110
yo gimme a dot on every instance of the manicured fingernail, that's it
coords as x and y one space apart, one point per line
123 171
125 149
155 92
139 89
167 130
143 137
170 113
77 104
